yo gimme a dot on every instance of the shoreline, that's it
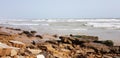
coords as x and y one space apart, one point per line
31 44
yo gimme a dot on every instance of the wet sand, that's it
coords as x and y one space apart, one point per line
113 35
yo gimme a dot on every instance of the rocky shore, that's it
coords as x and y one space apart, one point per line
17 43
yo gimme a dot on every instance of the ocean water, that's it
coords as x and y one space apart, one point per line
106 29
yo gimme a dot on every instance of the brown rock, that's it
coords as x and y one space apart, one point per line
5 57
98 47
39 36
17 44
5 51
34 51
115 49
13 52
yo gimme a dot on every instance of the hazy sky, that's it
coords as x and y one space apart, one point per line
59 8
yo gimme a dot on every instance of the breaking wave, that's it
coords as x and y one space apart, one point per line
95 23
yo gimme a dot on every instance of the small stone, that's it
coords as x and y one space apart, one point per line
40 56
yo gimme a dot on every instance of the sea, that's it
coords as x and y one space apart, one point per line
105 29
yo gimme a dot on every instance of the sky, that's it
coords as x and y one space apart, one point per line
59 9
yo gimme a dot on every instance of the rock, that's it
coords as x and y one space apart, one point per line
39 36
52 42
79 56
55 35
5 51
53 46
66 39
5 57
90 51
34 51
13 52
33 32
85 37
98 47
105 56
1 52
17 29
50 47
42 48
28 33
115 49
19 56
17 44
21 52
40 56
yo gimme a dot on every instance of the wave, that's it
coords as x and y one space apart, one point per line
78 29
67 20
25 24
104 25
82 20
74 23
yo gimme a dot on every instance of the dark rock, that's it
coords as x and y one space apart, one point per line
107 42
98 47
44 48
79 56
55 35
86 38
52 41
33 43
115 49
17 29
33 32
28 33
39 36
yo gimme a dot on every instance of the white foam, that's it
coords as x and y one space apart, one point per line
51 20
104 25
45 24
77 29
22 24
97 20
80 29
38 20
